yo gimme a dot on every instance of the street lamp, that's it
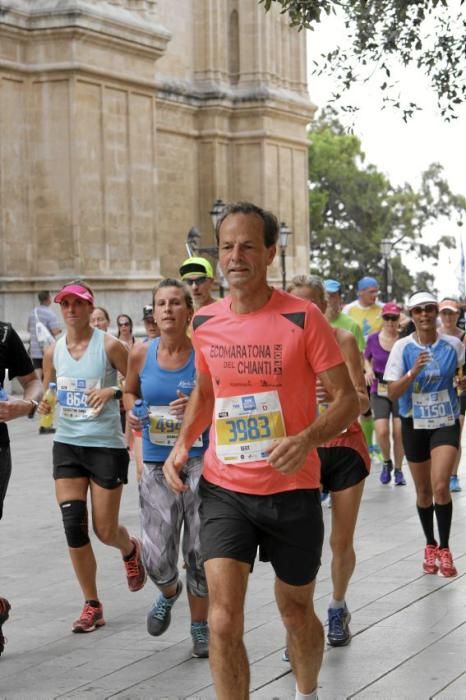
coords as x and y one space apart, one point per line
385 249
216 212
193 239
283 234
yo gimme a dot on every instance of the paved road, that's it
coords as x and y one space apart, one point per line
409 629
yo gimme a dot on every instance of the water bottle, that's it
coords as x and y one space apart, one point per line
47 420
3 394
141 411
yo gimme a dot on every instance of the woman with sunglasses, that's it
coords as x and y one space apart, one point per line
162 373
422 373
89 455
449 316
125 331
376 354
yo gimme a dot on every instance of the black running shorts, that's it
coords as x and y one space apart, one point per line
287 527
419 443
383 407
106 466
340 468
463 403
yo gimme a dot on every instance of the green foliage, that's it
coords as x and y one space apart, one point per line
353 207
429 34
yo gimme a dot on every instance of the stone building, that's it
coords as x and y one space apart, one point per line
120 124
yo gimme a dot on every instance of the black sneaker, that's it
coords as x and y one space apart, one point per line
4 610
338 627
159 618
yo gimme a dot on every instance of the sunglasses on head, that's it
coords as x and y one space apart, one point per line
428 308
196 280
390 317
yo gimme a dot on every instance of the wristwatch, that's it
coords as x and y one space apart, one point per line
117 393
33 410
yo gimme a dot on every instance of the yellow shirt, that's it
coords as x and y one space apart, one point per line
368 318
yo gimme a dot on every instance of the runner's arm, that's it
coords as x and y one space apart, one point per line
117 354
399 386
50 375
289 454
15 408
197 418
136 360
352 357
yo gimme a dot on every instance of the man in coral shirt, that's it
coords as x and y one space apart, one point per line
258 354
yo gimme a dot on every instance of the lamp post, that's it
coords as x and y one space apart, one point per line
385 249
193 239
216 212
284 232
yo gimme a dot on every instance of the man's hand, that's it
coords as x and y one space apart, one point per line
289 454
172 467
14 408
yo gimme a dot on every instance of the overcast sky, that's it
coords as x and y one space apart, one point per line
401 151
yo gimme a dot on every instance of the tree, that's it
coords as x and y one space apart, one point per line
429 34
353 207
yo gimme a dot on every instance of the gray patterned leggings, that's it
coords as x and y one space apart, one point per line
163 514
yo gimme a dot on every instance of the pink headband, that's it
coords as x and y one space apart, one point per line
77 291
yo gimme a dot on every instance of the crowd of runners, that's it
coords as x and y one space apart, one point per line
243 414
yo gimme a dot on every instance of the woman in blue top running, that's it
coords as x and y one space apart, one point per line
422 373
162 372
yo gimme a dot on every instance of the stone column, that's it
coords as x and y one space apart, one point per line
78 170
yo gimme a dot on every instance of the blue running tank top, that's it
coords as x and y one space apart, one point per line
435 379
77 423
158 389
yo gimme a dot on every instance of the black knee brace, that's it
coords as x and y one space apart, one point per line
74 515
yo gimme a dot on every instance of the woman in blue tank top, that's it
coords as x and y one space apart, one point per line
89 454
162 373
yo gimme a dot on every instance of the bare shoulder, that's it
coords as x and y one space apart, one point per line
347 342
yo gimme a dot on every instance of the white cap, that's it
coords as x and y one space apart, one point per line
421 298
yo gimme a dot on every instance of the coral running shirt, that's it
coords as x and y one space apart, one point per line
258 360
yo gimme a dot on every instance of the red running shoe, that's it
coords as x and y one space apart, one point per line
446 566
4 610
135 571
90 619
430 559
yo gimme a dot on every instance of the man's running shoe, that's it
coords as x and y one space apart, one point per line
285 656
159 617
386 473
446 566
454 483
4 610
135 571
338 627
200 637
430 559
399 478
90 619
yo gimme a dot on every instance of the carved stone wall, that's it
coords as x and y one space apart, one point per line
121 121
